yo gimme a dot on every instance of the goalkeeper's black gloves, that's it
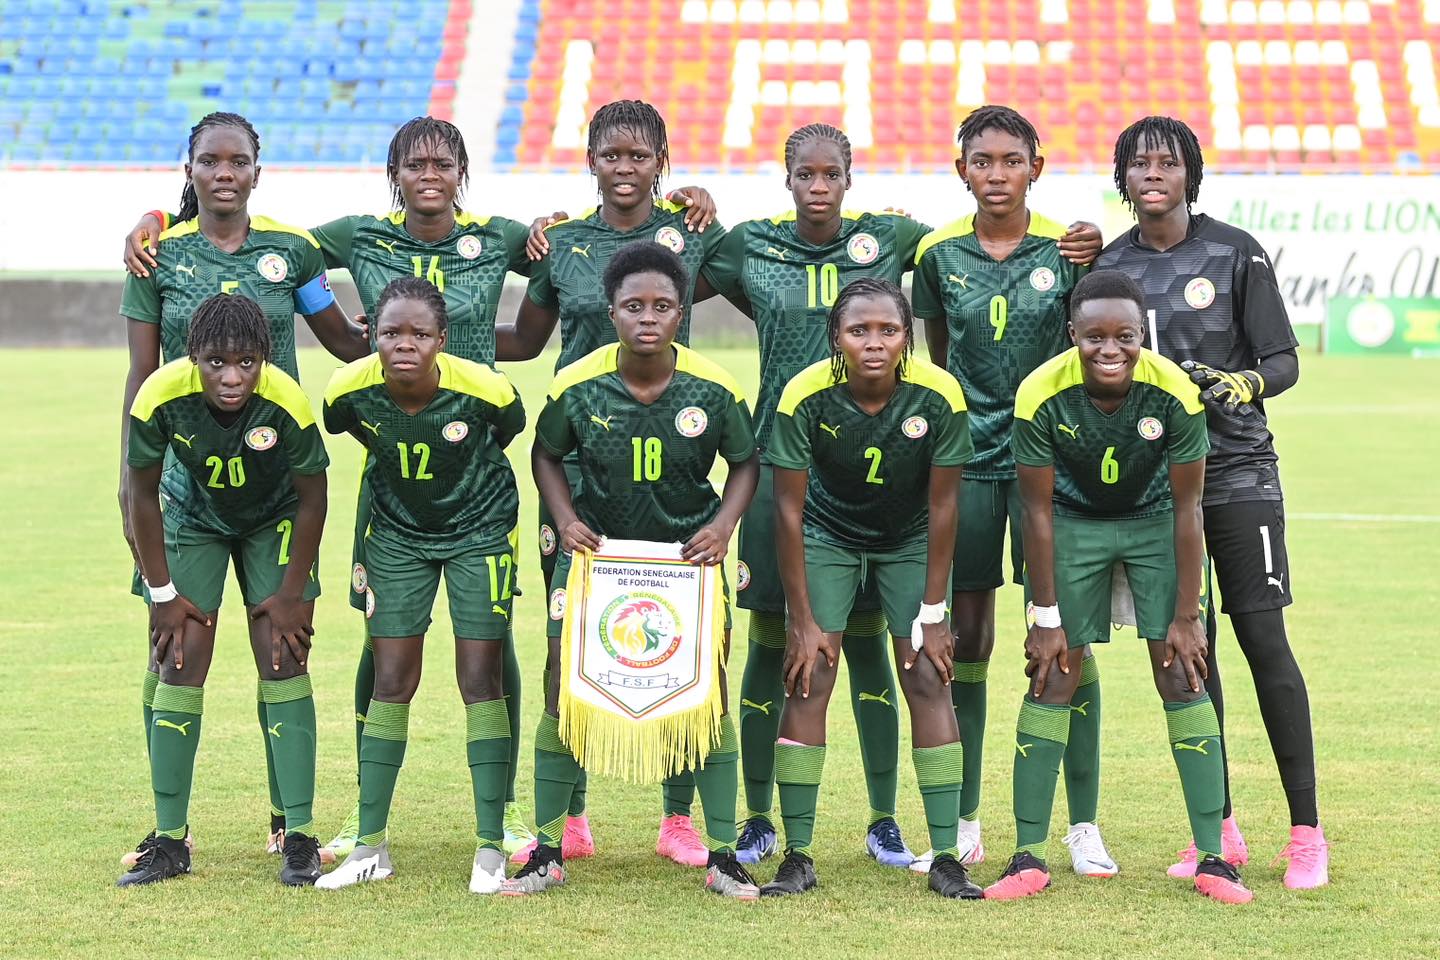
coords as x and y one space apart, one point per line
1223 387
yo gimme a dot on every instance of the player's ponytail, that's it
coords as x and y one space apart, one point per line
189 205
868 288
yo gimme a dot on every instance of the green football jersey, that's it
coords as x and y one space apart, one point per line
870 474
791 286
439 477
468 267
279 267
569 278
1110 465
226 479
645 468
1005 317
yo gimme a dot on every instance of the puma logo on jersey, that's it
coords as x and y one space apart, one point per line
182 268
184 728
1260 260
762 707
1277 582
881 697
604 423
373 428
583 251
275 730
964 285
388 246
1024 749
496 608
778 254
188 441
1198 748
1069 431
833 431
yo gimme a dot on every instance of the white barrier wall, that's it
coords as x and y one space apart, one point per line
1327 235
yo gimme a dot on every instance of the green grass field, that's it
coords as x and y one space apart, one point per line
1360 462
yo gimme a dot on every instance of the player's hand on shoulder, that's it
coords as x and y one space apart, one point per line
709 545
291 625
167 627
141 246
1081 244
577 535
702 206
537 245
1045 647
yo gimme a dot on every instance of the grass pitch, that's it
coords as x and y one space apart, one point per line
1359 459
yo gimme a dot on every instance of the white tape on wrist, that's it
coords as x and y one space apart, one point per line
931 613
1048 617
164 593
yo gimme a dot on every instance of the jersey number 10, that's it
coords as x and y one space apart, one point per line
827 290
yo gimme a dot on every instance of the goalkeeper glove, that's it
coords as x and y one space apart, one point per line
1224 387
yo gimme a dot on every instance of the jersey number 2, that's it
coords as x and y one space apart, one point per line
874 455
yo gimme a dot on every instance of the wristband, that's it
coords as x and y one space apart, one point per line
931 613
164 593
1047 617
162 216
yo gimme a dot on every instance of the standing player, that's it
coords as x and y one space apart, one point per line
218 247
444 500
628 155
992 288
866 451
1213 305
246 480
646 418
1110 443
787 272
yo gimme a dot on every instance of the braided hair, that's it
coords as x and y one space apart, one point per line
419 131
418 289
866 288
1005 119
228 323
816 131
642 121
189 205
1152 133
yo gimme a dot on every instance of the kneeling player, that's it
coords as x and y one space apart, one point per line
248 482
435 427
1110 445
867 451
646 419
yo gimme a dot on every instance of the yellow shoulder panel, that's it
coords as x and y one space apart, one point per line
920 371
280 388
466 219
1057 374
178 378
181 229
788 215
961 227
596 363
669 207
1044 227
1166 374
475 379
275 226
806 383
688 361
355 375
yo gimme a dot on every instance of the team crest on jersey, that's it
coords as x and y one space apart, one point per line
547 539
1042 278
469 246
691 422
557 603
670 237
369 603
272 267
359 580
455 431
1150 428
742 575
863 248
915 427
261 438
1200 293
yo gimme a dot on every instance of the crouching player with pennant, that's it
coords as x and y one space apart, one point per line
647 419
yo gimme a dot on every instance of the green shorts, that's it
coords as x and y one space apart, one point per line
402 578
549 537
556 598
364 505
834 575
985 507
1085 552
757 575
198 560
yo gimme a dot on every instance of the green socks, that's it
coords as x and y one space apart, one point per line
364 690
716 781
556 771
1040 738
677 793
968 695
510 679
797 770
382 751
487 746
762 695
1195 743
873 696
580 788
277 804
174 737
1082 755
938 771
289 710
147 698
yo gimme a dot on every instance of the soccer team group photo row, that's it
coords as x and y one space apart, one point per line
1103 404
